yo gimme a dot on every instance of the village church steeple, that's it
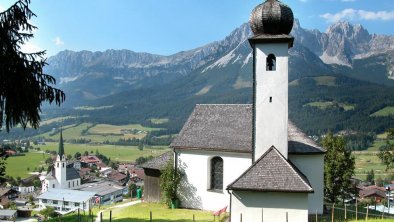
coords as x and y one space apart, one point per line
271 23
61 164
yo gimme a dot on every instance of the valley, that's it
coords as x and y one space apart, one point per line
119 99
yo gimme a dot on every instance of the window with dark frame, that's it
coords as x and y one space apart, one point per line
216 173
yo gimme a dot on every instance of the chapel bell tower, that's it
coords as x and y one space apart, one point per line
271 23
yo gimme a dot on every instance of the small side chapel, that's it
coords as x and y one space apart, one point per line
61 176
250 158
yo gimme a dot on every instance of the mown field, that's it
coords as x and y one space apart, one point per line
330 104
116 153
160 212
17 166
100 132
387 111
368 160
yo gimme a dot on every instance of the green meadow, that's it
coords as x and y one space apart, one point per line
100 132
387 111
17 166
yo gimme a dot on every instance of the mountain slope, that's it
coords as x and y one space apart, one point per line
140 86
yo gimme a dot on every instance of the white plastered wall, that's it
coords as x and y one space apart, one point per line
194 191
312 166
271 117
260 206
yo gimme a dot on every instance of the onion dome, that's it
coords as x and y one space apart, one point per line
271 18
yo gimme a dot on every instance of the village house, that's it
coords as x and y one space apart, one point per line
375 193
66 200
251 158
137 175
124 168
6 195
106 192
89 161
76 164
117 177
26 185
8 215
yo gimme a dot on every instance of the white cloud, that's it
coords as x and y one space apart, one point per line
2 8
29 47
353 14
58 41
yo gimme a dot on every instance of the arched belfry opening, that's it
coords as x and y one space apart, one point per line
271 62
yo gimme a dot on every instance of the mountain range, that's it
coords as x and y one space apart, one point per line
134 86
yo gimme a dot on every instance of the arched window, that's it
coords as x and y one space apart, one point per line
216 173
271 62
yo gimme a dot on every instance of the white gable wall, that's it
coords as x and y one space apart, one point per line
312 166
194 191
260 206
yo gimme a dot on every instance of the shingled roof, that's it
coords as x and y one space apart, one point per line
229 128
272 173
158 162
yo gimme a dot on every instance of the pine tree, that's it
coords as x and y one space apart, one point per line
23 84
338 169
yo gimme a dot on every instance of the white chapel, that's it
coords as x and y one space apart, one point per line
251 158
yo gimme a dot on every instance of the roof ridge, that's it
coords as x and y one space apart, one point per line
294 169
254 164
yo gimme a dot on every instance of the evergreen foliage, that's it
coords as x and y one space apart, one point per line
338 169
24 85
170 179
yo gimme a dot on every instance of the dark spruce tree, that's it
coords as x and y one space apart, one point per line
23 85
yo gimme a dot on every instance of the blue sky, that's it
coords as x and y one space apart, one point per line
169 26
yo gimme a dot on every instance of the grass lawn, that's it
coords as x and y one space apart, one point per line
101 132
159 121
387 111
330 104
57 119
339 214
117 153
160 213
17 165
367 161
325 81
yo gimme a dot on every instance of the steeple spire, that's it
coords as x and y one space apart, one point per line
61 146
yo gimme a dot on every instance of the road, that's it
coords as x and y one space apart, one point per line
117 206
